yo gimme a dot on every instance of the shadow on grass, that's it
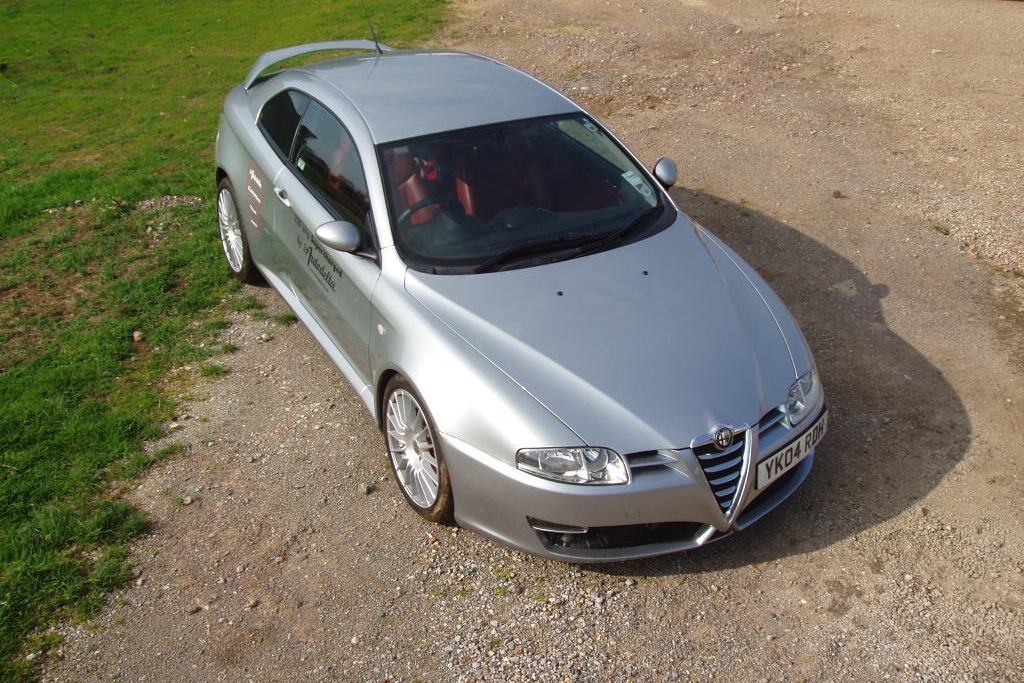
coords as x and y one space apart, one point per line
896 426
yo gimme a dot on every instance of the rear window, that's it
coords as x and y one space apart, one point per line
280 118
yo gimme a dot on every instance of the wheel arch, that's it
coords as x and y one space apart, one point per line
378 401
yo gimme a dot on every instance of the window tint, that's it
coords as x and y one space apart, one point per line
280 117
587 134
326 156
461 199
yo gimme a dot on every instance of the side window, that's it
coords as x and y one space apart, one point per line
326 156
280 117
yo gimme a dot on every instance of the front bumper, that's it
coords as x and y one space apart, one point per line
662 510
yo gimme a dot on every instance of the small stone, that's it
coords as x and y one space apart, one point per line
194 609
138 335
265 337
366 488
252 604
355 640
630 582
187 500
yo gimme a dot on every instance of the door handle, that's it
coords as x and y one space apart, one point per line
282 195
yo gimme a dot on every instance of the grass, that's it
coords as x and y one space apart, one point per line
102 106
285 319
213 370
246 303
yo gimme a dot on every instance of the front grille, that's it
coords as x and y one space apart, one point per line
772 431
722 469
772 418
648 461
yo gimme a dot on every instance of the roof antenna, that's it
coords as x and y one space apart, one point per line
372 32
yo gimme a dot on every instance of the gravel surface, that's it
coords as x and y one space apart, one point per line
282 549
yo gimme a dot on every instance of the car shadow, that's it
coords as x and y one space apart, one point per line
896 426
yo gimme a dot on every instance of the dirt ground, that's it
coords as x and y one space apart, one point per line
867 158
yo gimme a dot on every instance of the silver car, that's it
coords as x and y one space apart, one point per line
557 356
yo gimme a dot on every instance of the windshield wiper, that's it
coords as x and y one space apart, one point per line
529 249
609 238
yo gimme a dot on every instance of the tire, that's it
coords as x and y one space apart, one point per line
412 465
232 236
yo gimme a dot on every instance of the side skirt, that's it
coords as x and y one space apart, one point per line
362 388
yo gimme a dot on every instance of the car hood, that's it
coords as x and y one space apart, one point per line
645 346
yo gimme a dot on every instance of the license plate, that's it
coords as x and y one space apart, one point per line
788 457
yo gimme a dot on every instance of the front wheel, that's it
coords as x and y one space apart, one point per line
232 236
415 453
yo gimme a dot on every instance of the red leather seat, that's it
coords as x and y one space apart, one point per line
411 187
415 181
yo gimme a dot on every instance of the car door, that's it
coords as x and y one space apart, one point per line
325 181
278 122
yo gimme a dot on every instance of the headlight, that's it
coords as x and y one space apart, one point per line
574 465
802 398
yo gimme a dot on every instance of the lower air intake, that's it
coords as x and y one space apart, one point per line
627 536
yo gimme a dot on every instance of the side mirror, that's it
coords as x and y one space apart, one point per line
339 235
666 172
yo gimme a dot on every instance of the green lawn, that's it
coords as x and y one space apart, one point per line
104 106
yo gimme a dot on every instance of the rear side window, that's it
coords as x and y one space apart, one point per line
326 156
280 117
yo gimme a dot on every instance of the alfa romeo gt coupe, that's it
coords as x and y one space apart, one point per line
557 356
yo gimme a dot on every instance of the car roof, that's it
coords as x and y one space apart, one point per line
406 94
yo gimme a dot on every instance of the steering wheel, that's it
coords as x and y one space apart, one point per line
441 200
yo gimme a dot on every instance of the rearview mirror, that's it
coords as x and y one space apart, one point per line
339 235
666 172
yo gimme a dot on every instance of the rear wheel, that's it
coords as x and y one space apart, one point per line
415 453
232 235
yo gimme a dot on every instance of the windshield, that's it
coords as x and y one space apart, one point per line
515 194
